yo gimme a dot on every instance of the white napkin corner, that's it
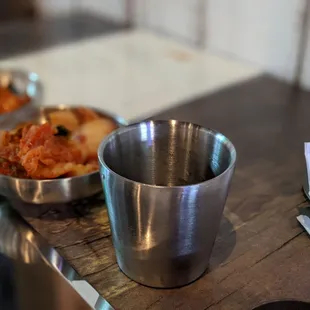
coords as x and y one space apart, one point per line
307 157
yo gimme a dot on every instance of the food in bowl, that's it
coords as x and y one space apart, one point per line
65 145
10 100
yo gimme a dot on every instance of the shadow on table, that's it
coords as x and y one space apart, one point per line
59 211
224 244
27 36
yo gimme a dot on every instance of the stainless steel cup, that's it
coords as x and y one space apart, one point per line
166 184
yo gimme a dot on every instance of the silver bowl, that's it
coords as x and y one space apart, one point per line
60 190
24 83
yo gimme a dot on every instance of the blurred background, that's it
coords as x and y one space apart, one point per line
227 40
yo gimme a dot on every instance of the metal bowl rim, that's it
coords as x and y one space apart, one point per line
27 73
135 125
119 120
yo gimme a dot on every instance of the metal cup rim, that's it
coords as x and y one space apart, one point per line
125 129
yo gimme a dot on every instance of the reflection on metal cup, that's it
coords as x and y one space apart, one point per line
166 183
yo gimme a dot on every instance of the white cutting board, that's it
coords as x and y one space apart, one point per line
131 73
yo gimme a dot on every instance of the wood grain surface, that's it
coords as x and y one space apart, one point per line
261 252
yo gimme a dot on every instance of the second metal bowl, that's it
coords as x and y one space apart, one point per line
60 190
25 83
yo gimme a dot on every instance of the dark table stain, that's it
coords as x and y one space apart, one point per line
261 252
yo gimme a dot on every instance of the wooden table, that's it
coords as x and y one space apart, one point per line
261 252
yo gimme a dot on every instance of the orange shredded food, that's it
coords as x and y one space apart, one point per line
10 101
43 152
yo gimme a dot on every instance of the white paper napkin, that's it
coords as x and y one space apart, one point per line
304 220
307 157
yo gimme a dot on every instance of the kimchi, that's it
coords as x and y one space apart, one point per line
66 146
10 101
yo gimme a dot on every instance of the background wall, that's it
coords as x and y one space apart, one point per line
267 33
305 68
177 18
112 9
52 7
264 32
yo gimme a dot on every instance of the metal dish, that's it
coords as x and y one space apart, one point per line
60 190
284 305
27 262
24 83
